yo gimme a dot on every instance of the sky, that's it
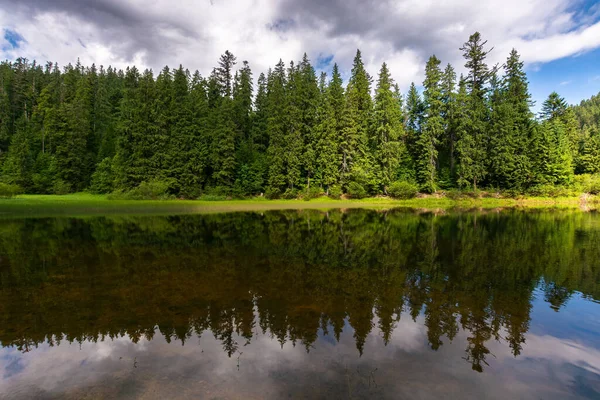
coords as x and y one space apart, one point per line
559 40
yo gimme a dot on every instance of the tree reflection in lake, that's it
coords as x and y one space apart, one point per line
299 277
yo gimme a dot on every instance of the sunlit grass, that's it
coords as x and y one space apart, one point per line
82 204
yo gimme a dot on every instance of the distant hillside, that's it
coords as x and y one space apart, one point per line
588 118
588 112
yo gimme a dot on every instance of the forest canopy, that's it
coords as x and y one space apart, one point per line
291 132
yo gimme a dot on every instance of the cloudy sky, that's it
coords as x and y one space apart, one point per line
559 39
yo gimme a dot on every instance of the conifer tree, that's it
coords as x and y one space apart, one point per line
309 97
510 127
327 131
387 118
276 129
414 118
473 151
433 128
447 154
358 96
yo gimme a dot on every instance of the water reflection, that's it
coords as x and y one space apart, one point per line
350 304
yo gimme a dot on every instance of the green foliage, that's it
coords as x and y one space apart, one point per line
335 192
587 183
403 190
146 190
356 191
61 187
8 190
290 194
212 197
312 193
103 179
546 190
272 193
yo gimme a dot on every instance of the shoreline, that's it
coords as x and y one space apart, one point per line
83 204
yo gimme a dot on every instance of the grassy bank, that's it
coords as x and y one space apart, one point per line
82 204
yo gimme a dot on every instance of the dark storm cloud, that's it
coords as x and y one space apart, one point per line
377 20
125 28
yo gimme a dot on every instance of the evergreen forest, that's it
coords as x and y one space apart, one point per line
290 132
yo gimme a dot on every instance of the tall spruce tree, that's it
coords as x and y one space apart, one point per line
472 151
511 126
432 129
276 129
447 152
358 121
387 119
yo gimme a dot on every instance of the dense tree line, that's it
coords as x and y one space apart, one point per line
109 130
293 275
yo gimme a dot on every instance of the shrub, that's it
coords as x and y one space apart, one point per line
356 191
102 179
290 194
61 187
587 183
402 190
272 193
454 194
147 190
335 191
512 194
8 190
312 193
548 191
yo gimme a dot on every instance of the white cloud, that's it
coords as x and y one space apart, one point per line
194 33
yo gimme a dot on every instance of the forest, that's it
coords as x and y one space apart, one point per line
291 133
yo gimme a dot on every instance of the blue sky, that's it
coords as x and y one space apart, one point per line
559 40
575 78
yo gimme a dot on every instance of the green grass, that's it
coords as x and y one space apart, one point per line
84 204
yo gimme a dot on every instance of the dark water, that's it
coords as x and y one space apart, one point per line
302 305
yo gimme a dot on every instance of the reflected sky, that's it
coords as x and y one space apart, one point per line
549 367
350 305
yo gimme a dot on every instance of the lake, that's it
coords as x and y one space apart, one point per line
349 304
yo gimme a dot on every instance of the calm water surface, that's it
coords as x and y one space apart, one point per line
302 305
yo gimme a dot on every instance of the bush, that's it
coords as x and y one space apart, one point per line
8 190
147 190
335 191
402 190
548 191
61 187
290 194
272 193
454 194
312 193
212 197
587 183
102 179
512 194
356 191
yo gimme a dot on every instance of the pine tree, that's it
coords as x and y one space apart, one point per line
447 153
473 152
414 118
510 127
276 129
433 128
309 97
387 117
294 140
17 168
552 155
358 96
330 129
